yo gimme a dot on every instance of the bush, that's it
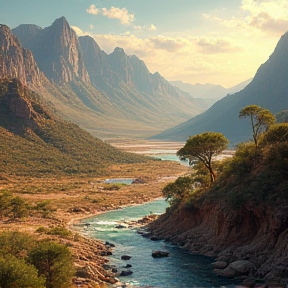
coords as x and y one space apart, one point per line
17 273
54 263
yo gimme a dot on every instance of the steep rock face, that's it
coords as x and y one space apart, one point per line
15 61
97 65
26 32
57 52
258 234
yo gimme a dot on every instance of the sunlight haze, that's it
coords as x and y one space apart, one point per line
220 42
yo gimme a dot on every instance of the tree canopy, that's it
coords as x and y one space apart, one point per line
260 119
203 147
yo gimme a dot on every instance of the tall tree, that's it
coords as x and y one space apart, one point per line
203 147
260 119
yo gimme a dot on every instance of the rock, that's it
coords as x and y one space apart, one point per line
219 264
242 266
109 244
128 266
138 181
114 270
126 273
228 272
154 238
159 254
125 257
120 226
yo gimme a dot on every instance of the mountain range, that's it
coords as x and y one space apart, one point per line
108 95
210 92
268 89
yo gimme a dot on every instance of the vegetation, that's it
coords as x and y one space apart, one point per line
26 262
240 179
260 119
203 147
59 147
13 207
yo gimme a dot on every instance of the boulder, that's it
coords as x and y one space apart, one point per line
126 273
159 254
219 264
242 266
228 272
125 257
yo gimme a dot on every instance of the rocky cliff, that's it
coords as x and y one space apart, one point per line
253 237
56 50
16 61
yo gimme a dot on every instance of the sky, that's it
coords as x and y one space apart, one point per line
195 41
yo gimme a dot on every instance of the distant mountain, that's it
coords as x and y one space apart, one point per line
56 50
34 142
210 92
268 89
106 94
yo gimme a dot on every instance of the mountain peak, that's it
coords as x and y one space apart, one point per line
119 50
60 22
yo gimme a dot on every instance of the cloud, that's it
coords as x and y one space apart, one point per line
121 14
78 31
256 15
167 44
214 46
92 10
152 27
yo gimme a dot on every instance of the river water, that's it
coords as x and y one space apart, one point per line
179 270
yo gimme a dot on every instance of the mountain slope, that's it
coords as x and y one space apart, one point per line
268 89
116 93
34 142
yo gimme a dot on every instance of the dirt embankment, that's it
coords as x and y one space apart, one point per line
247 242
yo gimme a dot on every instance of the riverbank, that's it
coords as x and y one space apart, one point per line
60 201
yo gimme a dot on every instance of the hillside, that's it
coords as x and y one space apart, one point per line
242 219
108 95
35 143
268 89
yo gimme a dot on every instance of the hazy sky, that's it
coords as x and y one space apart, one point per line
196 41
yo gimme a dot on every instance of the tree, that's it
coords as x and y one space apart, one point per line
178 190
260 119
18 274
282 116
203 147
54 262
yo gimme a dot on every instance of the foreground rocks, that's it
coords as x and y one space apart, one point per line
246 242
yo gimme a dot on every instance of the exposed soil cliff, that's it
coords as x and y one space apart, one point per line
256 234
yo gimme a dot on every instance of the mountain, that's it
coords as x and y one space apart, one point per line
16 61
108 95
59 147
268 89
56 50
210 92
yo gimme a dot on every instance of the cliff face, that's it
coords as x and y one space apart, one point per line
256 236
56 50
16 61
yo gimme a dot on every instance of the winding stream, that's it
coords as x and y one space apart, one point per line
180 269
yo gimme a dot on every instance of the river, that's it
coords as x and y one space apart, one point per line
181 269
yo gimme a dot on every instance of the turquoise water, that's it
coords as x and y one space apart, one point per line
126 181
180 269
